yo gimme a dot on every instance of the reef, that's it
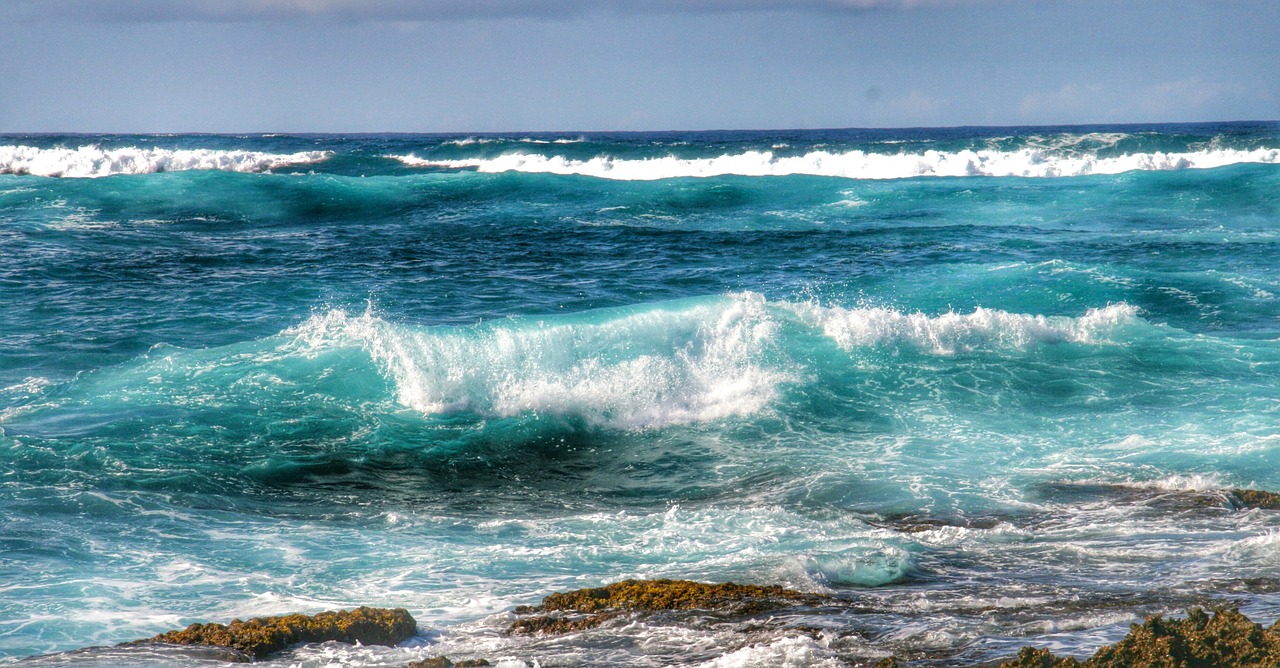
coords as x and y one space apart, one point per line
1225 639
260 636
601 604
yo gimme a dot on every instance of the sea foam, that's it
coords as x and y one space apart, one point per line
1028 162
93 161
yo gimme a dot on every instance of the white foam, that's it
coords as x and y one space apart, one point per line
92 161
785 652
641 369
1027 162
952 332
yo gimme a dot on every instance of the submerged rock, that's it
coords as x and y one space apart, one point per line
261 636
601 604
1160 498
1226 639
915 523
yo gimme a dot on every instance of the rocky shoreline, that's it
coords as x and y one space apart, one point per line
1220 638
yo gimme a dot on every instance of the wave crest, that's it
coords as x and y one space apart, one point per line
644 369
1028 162
962 332
93 161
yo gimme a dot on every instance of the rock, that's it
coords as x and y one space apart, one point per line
433 662
1031 657
444 662
1227 639
920 523
558 625
604 603
261 636
1256 498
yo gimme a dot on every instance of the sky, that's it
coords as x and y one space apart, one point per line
596 65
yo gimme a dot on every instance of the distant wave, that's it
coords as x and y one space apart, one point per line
468 141
92 161
1027 162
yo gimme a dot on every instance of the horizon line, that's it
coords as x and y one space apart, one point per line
304 133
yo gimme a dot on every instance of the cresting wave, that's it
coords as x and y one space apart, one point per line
93 161
659 365
1029 162
952 332
669 365
645 367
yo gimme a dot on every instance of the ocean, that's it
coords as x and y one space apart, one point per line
985 387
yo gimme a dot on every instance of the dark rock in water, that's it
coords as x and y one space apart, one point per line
919 523
433 662
444 662
604 603
261 636
1256 498
1160 498
1226 639
557 625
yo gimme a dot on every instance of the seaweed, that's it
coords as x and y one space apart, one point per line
601 604
1225 639
261 636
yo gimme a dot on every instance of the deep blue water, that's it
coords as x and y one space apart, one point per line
246 375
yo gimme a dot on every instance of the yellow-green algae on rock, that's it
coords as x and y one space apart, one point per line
604 603
1226 639
261 636
1257 498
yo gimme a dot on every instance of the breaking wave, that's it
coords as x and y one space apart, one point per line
93 161
963 332
646 367
1027 162
640 369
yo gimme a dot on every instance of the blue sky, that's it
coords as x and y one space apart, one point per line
527 65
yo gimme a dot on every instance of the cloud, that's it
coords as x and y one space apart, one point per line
145 11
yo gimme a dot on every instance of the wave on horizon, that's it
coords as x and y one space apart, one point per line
93 161
856 164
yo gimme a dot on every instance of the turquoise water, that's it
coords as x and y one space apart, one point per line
246 375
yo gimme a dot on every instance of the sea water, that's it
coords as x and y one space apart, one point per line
983 386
